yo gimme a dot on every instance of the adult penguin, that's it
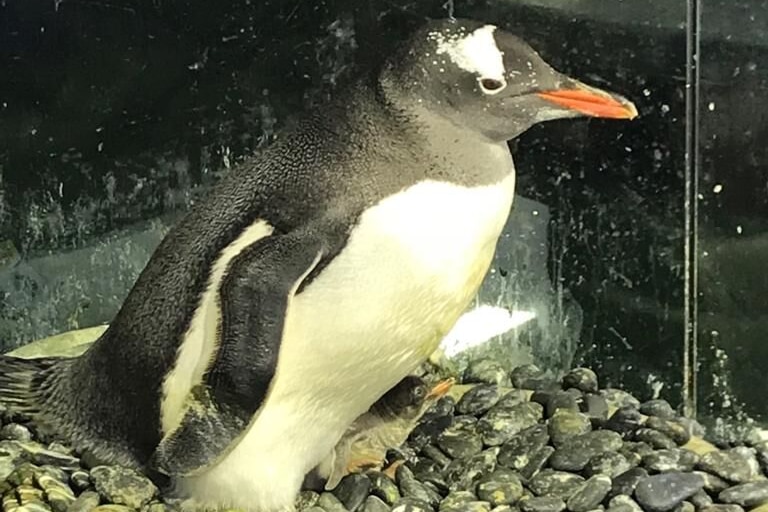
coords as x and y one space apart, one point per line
314 277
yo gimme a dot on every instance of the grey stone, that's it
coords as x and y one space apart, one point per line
34 506
665 491
86 502
685 506
383 487
123 486
722 508
747 495
58 447
499 424
557 484
57 493
461 439
437 455
374 504
542 504
570 400
625 420
455 499
595 407
517 452
445 406
479 399
635 447
537 462
7 465
626 482
27 494
156 507
566 424
713 483
619 398
512 398
590 494
468 506
693 427
610 464
583 379
659 408
428 431
352 490
306 499
670 428
330 503
23 474
701 499
732 465
487 371
575 452
464 474
434 479
15 432
111 507
675 459
80 480
523 376
408 504
655 438
502 487
54 458
412 488
623 503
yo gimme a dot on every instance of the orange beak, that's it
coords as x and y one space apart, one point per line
592 102
440 389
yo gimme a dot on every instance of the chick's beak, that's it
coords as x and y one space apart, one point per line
590 101
440 389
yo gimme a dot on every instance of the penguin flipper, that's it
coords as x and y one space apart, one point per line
254 295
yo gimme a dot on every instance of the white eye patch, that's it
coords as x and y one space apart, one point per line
492 85
476 53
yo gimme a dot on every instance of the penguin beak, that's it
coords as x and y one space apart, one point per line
440 389
590 101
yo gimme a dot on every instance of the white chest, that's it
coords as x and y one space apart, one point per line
381 307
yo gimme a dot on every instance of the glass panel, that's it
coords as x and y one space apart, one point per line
733 207
135 115
116 116
114 121
594 247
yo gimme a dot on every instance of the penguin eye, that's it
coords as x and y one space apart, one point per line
419 393
491 85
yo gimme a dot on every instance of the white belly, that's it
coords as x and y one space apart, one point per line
371 317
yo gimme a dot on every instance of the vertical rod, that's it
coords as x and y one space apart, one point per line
692 118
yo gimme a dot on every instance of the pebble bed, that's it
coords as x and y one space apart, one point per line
512 442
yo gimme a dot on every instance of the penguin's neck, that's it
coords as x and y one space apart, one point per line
466 155
461 155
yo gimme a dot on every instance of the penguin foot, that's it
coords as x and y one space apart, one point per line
392 468
362 464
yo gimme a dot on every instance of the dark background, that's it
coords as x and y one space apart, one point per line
116 112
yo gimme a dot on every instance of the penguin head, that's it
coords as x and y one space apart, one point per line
491 81
411 397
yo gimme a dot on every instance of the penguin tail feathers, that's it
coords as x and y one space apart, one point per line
23 383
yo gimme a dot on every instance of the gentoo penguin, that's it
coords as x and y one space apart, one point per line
386 425
313 278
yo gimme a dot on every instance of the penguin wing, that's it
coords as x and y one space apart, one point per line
254 297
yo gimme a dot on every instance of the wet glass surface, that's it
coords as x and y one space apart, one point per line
115 117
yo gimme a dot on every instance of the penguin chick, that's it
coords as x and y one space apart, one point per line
313 277
386 425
